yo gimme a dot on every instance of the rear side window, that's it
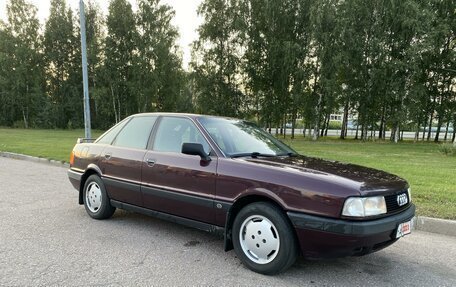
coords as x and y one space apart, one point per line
109 136
136 133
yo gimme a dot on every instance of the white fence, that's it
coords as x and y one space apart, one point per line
352 133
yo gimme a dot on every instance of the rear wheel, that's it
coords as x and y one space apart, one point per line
263 238
96 201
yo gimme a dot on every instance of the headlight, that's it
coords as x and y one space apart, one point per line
409 193
364 206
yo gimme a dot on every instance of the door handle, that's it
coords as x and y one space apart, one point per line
150 162
108 156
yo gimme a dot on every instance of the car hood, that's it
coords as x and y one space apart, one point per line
369 181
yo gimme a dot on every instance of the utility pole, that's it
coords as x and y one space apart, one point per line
85 79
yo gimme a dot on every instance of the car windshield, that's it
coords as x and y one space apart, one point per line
240 138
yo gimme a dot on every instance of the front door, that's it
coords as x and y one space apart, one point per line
177 183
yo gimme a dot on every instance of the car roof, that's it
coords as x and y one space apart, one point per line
189 115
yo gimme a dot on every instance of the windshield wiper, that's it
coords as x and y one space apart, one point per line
289 154
254 154
292 154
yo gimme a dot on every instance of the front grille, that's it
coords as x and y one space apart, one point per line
391 202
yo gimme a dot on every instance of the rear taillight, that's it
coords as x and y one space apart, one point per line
72 158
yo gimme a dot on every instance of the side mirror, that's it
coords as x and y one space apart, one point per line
195 149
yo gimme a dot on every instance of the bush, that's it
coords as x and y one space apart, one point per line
335 125
19 124
299 124
448 149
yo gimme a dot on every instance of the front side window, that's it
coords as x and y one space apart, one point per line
173 132
136 133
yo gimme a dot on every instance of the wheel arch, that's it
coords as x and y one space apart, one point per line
237 206
91 170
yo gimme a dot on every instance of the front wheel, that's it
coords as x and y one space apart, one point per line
96 201
263 238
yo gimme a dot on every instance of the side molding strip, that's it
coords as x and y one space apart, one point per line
187 198
125 185
169 217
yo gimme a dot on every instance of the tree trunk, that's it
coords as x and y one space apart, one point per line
454 132
454 135
24 113
25 118
293 123
446 131
396 134
357 128
316 130
322 132
364 129
430 126
317 107
327 127
424 130
114 104
380 129
382 124
439 126
343 131
431 116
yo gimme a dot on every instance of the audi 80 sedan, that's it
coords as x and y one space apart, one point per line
228 175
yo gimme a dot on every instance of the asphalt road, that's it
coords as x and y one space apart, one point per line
46 238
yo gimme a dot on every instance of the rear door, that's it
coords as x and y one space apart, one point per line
122 160
177 183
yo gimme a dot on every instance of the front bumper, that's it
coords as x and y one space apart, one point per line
321 237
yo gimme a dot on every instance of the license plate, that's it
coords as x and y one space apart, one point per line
404 229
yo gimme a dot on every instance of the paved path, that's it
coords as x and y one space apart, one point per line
46 238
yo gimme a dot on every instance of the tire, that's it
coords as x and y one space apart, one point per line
96 200
263 238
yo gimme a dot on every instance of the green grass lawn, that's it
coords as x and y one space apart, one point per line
52 144
431 174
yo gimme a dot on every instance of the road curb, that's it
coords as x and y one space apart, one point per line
435 225
422 223
34 159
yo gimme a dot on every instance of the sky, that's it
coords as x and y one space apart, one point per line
186 19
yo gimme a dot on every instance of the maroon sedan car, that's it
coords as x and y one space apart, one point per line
228 175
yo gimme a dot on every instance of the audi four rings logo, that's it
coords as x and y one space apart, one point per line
402 199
